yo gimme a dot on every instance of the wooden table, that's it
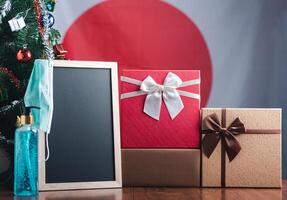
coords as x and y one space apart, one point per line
140 193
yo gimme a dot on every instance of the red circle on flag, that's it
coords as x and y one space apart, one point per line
140 34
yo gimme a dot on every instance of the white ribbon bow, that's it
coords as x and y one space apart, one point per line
156 92
167 91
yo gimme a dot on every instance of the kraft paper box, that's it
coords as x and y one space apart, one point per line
160 109
161 167
241 148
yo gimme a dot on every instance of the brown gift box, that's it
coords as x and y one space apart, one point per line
257 164
161 167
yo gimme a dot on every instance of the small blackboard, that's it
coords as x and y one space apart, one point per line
84 141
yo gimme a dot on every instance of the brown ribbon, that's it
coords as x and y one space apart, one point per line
215 131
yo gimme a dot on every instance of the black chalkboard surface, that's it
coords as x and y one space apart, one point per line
82 140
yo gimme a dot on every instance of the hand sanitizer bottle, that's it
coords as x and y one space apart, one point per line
26 157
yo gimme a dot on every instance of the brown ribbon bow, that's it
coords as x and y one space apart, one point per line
215 132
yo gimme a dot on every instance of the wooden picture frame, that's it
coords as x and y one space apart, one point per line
116 182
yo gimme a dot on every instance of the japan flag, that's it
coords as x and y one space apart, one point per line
239 46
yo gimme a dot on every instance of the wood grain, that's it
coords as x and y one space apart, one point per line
149 193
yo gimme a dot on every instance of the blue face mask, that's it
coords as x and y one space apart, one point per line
39 93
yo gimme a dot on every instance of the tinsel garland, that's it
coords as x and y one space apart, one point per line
11 108
38 16
11 77
5 7
43 27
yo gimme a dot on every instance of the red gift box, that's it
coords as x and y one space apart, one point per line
142 130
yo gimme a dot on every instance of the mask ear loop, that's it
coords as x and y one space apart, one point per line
47 147
50 64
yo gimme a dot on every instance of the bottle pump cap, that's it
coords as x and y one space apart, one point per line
26 117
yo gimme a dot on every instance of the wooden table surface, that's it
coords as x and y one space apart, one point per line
140 193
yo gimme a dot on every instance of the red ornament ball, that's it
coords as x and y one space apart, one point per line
24 55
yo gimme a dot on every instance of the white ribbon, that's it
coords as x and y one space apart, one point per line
156 92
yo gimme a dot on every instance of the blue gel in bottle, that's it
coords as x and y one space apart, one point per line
26 158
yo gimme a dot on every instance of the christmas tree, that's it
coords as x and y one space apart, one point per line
26 34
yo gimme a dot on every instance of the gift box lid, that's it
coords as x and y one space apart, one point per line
139 130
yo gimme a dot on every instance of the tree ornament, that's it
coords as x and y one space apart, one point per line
24 55
51 20
17 24
51 5
59 51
